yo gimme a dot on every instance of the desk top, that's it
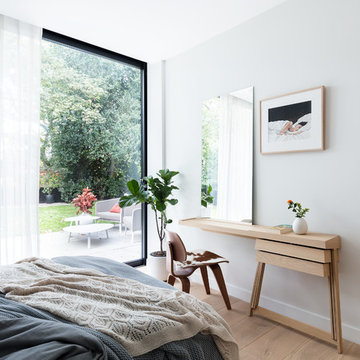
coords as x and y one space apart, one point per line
316 240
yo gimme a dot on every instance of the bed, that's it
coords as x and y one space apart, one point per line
28 331
304 133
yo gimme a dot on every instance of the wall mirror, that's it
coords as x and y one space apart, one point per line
227 156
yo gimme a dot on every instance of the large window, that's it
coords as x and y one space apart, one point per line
93 133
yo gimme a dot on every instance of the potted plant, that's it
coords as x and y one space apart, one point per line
206 199
84 202
49 180
299 225
157 192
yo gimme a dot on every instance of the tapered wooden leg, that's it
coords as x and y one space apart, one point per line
261 276
205 278
336 290
255 296
185 282
221 283
171 279
332 305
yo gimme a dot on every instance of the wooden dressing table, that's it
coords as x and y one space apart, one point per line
313 253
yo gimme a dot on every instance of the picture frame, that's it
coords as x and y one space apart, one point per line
293 122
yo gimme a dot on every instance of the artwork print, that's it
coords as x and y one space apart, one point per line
293 122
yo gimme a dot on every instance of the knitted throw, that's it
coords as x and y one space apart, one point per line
138 316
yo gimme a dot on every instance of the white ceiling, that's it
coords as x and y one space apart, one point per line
149 30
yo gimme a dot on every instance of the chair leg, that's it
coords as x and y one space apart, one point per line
221 283
185 282
171 280
205 278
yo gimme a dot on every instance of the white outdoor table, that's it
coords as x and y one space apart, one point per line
76 219
87 230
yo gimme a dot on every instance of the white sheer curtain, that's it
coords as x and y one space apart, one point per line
20 46
235 160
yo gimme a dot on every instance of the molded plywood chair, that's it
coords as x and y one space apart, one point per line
181 264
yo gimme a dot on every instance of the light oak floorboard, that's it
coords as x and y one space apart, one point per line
260 339
276 344
320 350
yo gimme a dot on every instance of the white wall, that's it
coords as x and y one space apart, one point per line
155 134
298 45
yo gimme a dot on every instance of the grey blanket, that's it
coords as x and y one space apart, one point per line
25 331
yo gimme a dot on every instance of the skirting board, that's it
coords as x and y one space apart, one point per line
350 332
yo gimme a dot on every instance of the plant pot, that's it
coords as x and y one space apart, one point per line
49 198
300 226
157 267
85 219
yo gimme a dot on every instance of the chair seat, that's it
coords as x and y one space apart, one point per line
107 215
199 258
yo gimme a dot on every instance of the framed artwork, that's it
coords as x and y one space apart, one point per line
293 122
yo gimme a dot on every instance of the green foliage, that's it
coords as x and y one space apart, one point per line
206 197
210 141
91 121
157 192
297 208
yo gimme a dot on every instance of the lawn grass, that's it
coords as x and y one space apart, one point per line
51 217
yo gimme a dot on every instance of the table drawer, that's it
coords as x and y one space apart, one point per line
296 251
309 267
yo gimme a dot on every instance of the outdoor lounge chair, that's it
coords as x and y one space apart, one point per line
129 217
103 207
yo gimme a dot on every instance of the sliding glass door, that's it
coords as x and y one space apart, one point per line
93 134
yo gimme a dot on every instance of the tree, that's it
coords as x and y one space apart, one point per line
91 121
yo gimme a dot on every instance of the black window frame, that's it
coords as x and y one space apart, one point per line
141 65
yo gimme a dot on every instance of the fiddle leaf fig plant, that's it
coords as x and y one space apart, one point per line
157 192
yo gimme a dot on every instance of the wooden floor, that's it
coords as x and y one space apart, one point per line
259 338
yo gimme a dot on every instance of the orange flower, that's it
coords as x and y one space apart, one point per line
289 201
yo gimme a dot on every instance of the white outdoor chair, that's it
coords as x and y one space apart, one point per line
130 218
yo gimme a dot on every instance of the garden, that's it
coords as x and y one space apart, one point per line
90 129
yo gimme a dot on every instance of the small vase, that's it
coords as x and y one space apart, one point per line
300 226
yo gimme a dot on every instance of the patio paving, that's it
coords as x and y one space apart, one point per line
117 247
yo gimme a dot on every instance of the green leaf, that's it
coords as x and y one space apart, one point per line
127 200
133 187
160 206
173 201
